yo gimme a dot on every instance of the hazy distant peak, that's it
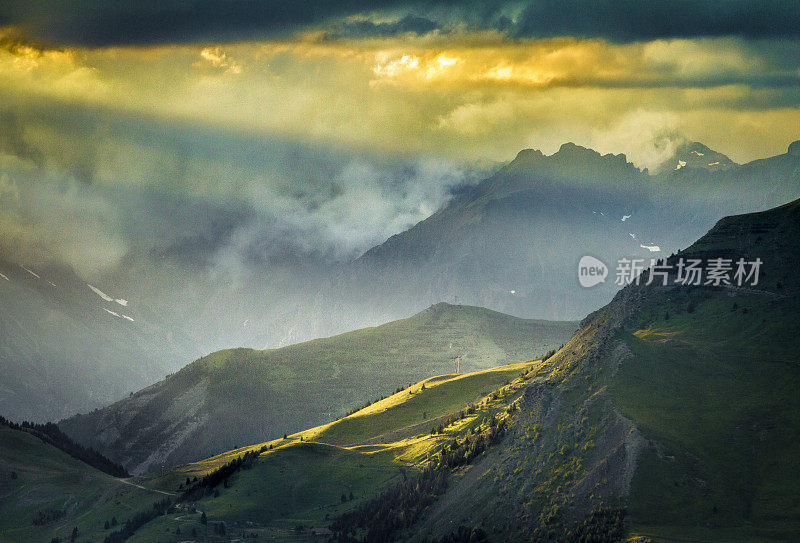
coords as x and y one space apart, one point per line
569 148
571 160
441 306
526 160
527 155
444 308
698 156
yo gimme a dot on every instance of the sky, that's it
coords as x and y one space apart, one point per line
244 132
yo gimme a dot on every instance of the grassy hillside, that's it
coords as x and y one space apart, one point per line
717 389
240 396
307 483
675 406
45 493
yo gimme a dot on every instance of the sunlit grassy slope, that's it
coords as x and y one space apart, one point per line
239 396
39 481
302 482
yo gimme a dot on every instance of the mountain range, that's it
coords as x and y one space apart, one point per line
671 414
507 243
510 242
67 344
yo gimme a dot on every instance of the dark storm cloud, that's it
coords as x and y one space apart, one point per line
365 28
114 22
632 20
168 21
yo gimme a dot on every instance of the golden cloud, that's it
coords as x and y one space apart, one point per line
472 97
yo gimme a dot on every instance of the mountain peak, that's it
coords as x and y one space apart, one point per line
527 158
569 147
794 148
571 160
698 156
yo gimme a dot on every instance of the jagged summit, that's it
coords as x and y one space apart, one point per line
571 161
568 150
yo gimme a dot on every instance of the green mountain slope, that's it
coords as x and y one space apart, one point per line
676 404
241 396
45 493
298 485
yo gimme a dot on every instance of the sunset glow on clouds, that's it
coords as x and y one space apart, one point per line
296 118
415 94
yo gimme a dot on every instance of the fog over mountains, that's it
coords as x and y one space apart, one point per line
510 243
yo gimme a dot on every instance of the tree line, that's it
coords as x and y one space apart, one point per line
50 433
385 517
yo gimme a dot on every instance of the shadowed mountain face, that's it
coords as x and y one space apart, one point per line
678 403
67 345
513 242
242 396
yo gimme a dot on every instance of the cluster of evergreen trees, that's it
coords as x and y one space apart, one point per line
394 510
138 520
603 525
549 354
211 480
50 433
46 516
465 535
197 491
367 404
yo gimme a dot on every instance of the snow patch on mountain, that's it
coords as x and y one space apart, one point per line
126 317
100 293
31 272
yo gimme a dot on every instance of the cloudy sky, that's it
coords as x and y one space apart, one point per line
244 130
